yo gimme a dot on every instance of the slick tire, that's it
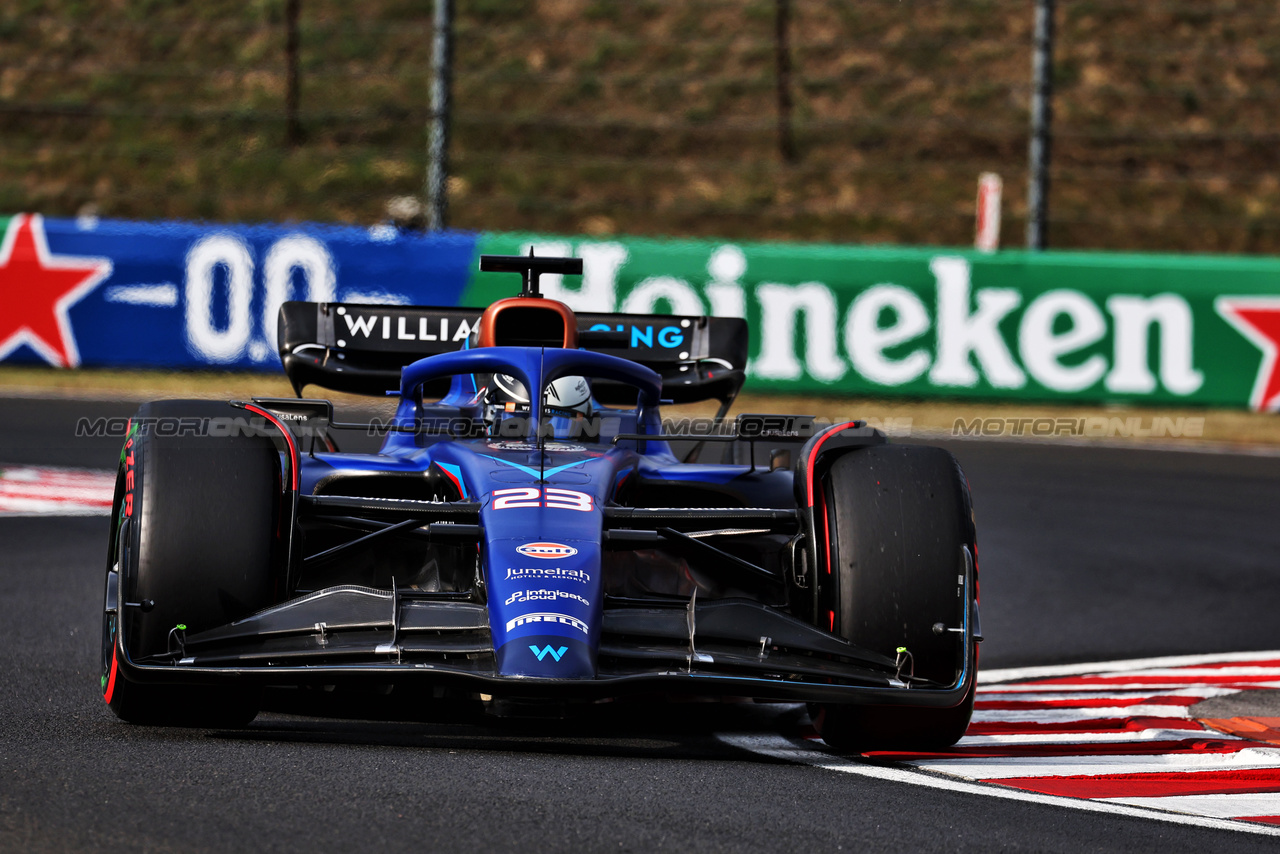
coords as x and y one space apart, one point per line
198 516
899 517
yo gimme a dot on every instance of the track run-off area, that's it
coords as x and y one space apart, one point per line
53 491
1116 737
1126 702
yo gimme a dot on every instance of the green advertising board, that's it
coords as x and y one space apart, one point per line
1052 326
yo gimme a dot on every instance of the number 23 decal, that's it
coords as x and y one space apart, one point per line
532 496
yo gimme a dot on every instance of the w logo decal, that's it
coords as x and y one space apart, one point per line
547 650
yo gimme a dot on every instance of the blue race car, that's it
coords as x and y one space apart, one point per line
531 535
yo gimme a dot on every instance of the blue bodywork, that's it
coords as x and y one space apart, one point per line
541 502
514 542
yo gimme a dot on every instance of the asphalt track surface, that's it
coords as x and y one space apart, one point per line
1086 554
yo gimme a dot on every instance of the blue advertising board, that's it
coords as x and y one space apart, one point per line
185 295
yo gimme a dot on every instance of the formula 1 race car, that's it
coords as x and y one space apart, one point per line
528 536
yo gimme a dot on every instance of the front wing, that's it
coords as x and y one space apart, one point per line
728 647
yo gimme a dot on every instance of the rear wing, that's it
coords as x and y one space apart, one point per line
361 348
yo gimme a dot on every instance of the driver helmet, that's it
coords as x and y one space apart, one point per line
567 396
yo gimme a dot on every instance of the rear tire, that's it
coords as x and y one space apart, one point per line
899 517
200 542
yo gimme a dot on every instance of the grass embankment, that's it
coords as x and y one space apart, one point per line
920 418
654 117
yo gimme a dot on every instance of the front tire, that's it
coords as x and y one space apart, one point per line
899 517
198 516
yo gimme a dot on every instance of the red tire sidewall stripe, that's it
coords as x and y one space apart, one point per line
288 438
111 679
817 449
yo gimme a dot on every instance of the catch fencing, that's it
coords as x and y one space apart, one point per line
855 122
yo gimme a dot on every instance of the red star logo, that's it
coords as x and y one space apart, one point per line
38 288
1258 319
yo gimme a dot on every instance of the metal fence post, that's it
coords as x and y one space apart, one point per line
292 128
782 56
1041 131
438 144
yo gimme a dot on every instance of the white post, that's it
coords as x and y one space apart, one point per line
987 235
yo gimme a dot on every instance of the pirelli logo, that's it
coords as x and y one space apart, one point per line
562 619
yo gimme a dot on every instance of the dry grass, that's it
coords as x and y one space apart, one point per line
655 117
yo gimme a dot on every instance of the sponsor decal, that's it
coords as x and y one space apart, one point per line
129 476
538 572
289 416
778 426
1054 344
668 337
553 447
398 327
544 596
546 551
559 619
948 323
557 654
524 497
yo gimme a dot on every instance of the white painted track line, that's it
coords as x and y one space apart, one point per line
777 747
996 767
1219 806
1113 737
1015 674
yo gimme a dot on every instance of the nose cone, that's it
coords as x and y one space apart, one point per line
545 606
542 522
